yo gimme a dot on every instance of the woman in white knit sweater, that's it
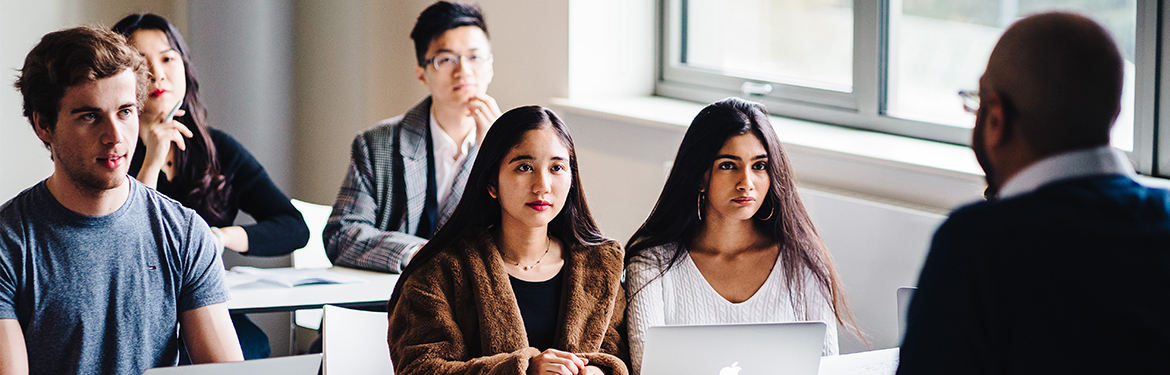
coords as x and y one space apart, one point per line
729 240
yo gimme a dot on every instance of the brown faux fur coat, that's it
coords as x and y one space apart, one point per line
458 315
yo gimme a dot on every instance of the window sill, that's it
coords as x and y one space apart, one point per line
904 171
909 172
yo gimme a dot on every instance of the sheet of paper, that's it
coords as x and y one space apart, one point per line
291 277
874 362
233 279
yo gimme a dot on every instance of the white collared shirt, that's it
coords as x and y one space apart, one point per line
448 157
1097 161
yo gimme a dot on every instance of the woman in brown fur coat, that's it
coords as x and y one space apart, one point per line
519 280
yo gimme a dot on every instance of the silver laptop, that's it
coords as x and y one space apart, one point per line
734 349
295 365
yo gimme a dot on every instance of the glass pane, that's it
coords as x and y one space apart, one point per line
800 42
939 47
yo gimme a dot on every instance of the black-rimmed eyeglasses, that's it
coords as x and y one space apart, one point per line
970 100
445 62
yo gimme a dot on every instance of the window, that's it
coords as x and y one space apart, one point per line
893 66
939 47
802 43
799 51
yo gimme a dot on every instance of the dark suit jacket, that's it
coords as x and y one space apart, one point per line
360 232
1072 278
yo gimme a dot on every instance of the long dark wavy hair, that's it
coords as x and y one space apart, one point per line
675 220
478 211
198 179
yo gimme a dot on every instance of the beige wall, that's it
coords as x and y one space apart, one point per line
336 39
330 60
107 12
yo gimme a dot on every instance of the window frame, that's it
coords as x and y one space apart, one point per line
865 107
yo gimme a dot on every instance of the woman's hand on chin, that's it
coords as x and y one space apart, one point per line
157 134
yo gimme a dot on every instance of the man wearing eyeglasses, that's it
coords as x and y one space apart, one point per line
1065 270
408 173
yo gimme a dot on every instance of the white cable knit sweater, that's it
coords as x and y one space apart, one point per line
683 296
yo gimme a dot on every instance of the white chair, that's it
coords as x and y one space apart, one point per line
355 342
313 254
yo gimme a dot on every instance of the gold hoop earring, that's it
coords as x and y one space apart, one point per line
769 214
699 210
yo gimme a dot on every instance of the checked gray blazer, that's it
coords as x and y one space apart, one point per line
359 233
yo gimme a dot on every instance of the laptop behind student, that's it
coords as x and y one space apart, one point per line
734 349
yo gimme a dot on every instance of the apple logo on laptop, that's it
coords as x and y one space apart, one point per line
730 370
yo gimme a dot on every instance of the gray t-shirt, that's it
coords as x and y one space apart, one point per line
102 294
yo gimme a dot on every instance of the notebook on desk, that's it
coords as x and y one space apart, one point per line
307 364
734 349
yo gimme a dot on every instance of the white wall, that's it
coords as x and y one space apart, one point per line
614 40
27 161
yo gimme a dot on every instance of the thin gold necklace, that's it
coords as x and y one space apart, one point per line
525 268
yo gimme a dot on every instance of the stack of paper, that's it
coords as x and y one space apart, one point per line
874 362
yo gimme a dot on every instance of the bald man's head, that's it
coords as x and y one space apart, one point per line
1060 75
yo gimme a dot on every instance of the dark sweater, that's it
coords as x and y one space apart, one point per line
1069 279
279 227
539 303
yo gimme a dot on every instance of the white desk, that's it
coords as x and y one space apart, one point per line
262 297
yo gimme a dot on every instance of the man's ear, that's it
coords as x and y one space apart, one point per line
421 71
996 129
42 128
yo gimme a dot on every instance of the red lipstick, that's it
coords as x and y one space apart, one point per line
745 201
539 205
157 92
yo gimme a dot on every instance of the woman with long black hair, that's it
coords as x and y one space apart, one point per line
519 279
202 167
729 240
